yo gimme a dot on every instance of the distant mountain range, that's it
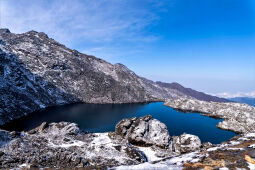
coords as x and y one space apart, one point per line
247 100
190 92
37 72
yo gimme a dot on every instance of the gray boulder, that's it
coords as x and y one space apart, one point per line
143 131
186 143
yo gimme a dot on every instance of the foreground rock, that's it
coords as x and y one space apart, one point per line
143 131
64 145
237 117
38 72
186 143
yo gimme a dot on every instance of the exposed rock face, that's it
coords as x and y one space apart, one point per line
237 117
37 72
144 131
186 143
64 145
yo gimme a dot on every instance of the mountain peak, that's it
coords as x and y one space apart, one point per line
4 31
33 32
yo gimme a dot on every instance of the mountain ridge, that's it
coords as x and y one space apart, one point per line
195 94
39 72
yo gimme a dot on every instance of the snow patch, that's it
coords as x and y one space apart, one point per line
248 135
251 166
235 142
149 153
252 146
150 166
67 145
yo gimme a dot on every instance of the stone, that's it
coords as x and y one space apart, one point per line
1 153
144 131
206 145
186 143
42 126
252 153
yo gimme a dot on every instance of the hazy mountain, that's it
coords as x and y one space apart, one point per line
247 100
190 92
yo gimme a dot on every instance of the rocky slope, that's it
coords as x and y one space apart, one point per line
137 143
237 117
37 72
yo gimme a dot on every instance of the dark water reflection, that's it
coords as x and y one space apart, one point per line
103 117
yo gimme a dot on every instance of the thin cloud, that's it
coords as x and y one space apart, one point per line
239 94
72 21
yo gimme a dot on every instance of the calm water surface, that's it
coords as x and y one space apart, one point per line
104 117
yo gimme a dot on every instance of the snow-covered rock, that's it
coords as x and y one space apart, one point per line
186 143
63 145
144 131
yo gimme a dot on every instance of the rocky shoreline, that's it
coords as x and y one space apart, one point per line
238 117
136 143
64 145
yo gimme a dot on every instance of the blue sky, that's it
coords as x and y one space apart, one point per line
208 45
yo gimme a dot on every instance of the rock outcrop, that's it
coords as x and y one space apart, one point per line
239 118
186 143
64 145
143 131
38 72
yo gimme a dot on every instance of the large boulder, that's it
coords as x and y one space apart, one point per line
143 131
186 143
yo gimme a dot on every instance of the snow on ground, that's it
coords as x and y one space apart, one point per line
175 163
252 146
66 145
149 153
189 157
149 166
235 142
224 168
213 149
248 135
251 166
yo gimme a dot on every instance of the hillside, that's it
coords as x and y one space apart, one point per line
38 72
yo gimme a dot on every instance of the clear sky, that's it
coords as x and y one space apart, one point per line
208 45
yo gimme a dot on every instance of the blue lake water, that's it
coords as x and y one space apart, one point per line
104 117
